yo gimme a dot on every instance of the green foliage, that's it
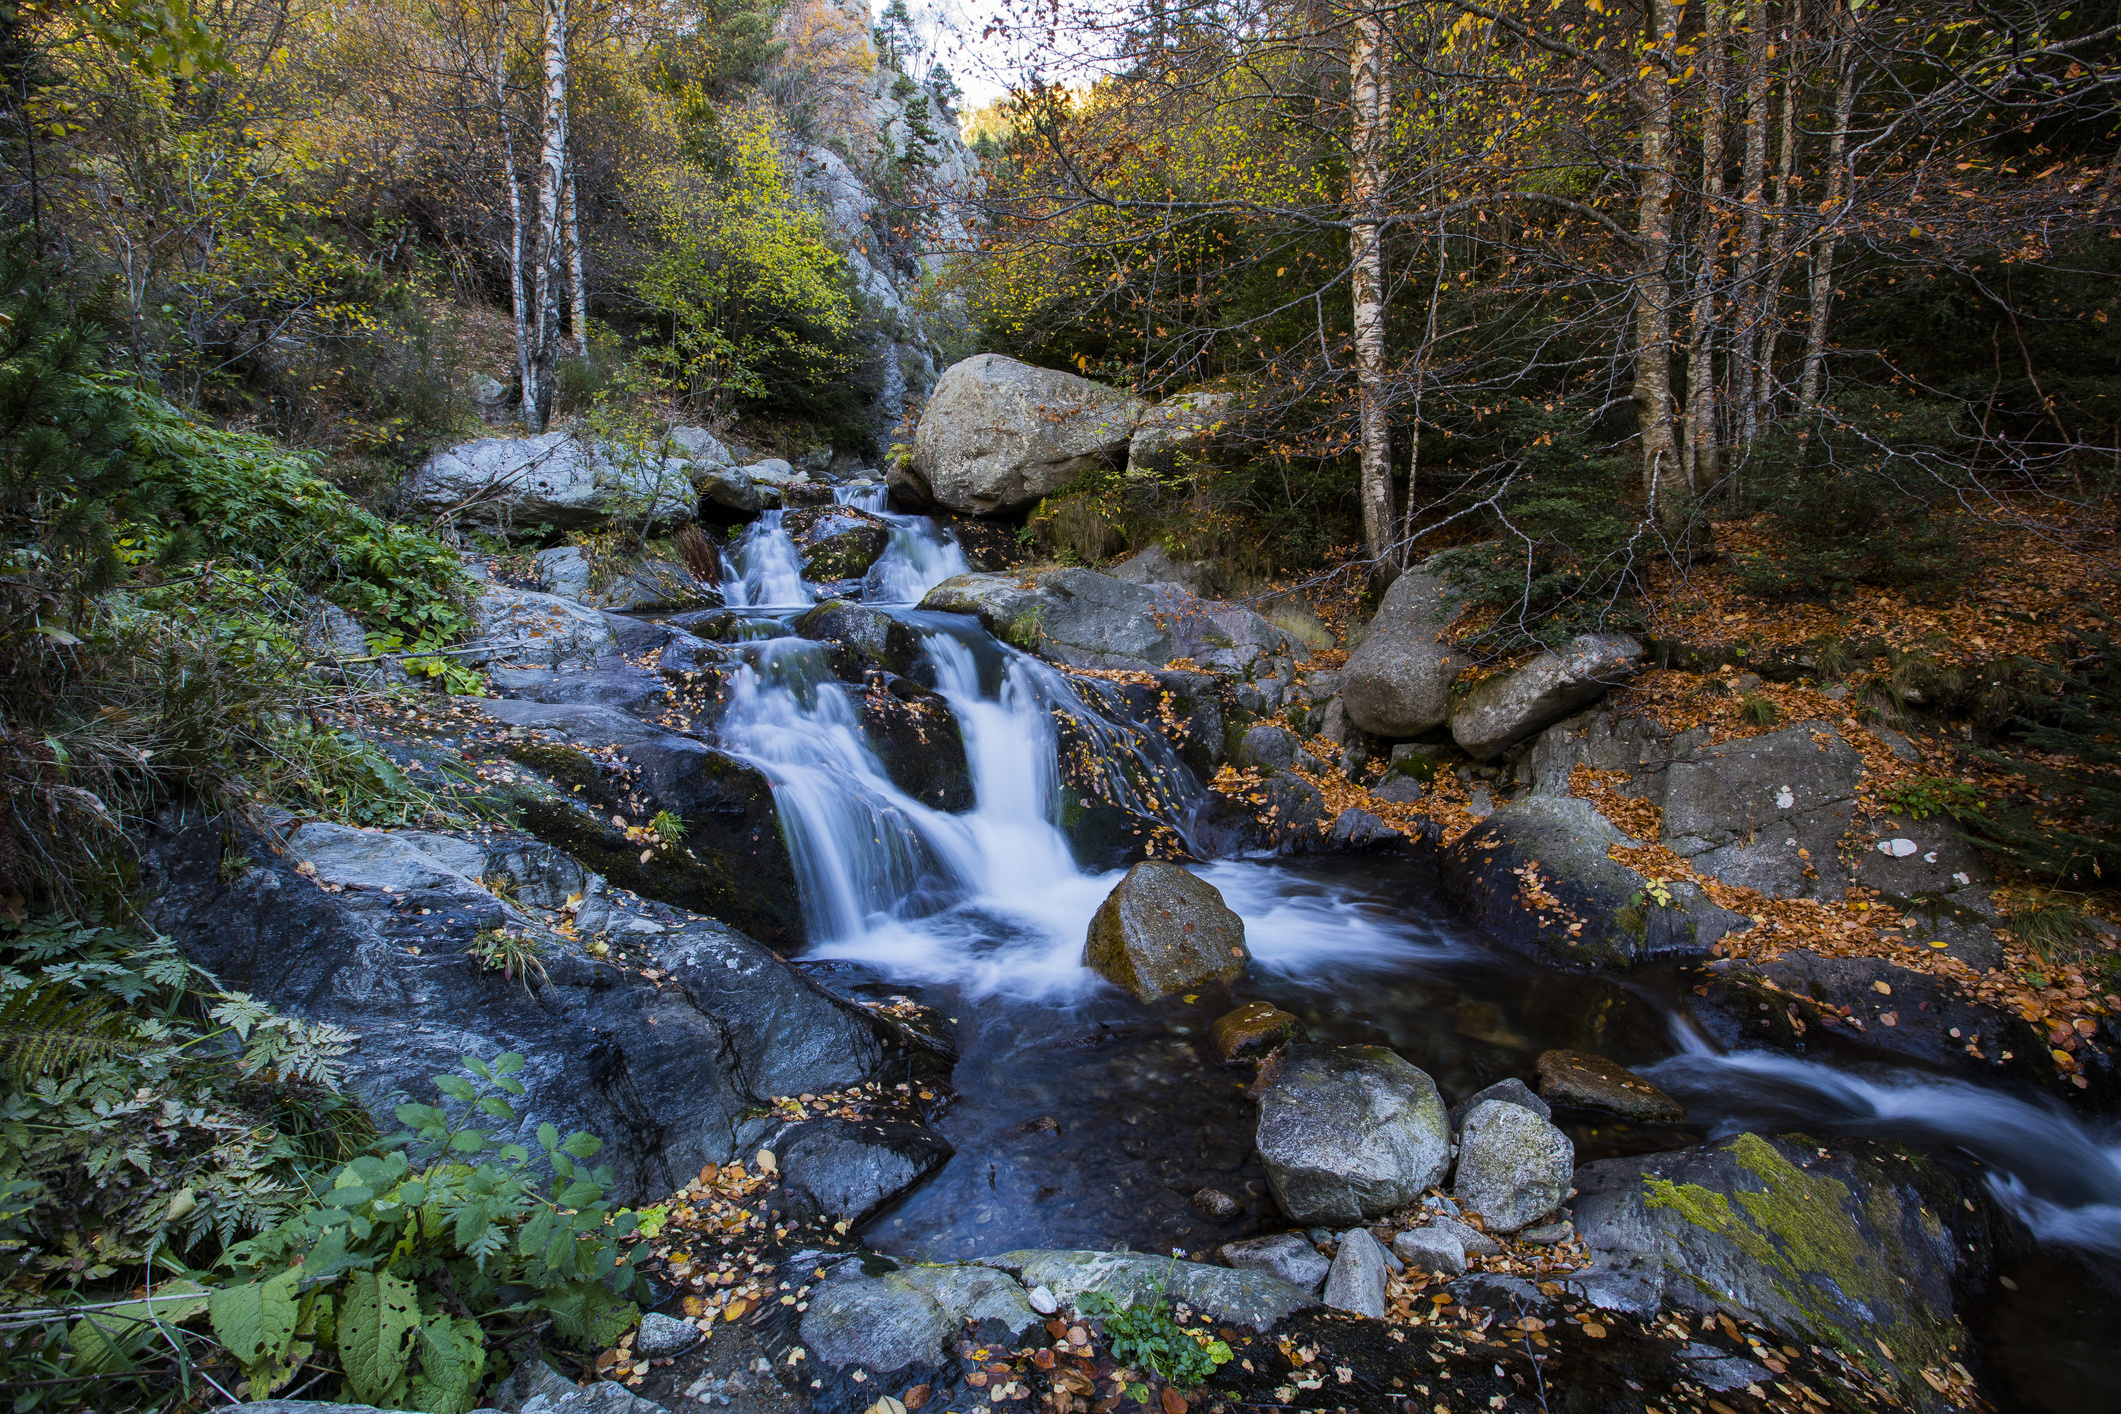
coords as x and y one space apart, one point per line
411 1260
1145 1336
2054 927
1760 711
510 952
1924 796
144 1111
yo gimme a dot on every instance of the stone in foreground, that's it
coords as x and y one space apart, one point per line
1349 1133
1246 1298
1288 1255
1357 1281
1513 1166
1432 1250
1591 1082
1164 929
1251 1031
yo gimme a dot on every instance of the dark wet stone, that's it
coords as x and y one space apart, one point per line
1591 1082
1251 1031
1163 929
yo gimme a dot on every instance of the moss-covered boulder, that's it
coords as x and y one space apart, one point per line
836 542
1858 1247
1164 929
870 637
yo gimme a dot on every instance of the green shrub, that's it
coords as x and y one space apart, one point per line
1143 1335
409 1262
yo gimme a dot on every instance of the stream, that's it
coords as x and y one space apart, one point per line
1085 1119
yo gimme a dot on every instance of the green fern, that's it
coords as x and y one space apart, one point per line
54 1030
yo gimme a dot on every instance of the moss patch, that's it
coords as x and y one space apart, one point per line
1836 1256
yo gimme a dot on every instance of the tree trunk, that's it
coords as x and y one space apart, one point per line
1370 91
577 288
1703 467
1811 383
1752 227
552 177
518 298
1778 259
1663 475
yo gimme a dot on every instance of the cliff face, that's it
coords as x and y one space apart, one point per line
879 153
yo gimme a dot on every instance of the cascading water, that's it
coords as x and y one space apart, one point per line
919 557
1082 1117
763 571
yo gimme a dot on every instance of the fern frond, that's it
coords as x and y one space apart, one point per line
55 1030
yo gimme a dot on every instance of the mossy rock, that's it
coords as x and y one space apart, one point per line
1862 1247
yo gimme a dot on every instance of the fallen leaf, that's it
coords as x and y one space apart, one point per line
1174 1402
735 1309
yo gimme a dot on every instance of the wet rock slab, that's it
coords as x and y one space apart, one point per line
1591 1082
1349 1133
1247 1298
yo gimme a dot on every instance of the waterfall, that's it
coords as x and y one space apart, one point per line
763 571
992 897
921 554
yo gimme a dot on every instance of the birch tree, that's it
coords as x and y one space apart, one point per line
551 233
1370 97
1663 473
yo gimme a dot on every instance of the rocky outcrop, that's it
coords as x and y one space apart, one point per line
1155 566
1090 620
525 628
997 435
1397 681
1513 1165
1504 709
1349 1133
566 573
556 478
368 930
1242 1298
1855 1248
1536 874
1164 929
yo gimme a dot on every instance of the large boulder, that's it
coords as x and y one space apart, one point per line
1351 1133
1397 681
1090 620
1513 1165
997 435
1164 929
555 478
1536 874
1854 1247
1592 1082
1502 710
1155 566
639 586
525 628
368 930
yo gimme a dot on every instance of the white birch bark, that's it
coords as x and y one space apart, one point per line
1752 227
552 176
577 287
1812 381
1703 424
519 304
1370 93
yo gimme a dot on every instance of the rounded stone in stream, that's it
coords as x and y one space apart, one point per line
1358 1278
1348 1133
1288 1255
1164 929
1513 1166
1216 1204
839 1169
1251 1031
665 1335
1592 1082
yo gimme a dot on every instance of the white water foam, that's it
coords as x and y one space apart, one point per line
763 571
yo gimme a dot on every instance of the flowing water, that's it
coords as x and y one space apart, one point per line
1084 1118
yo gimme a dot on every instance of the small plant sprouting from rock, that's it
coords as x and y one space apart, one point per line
1145 1336
1760 711
669 825
1924 796
513 954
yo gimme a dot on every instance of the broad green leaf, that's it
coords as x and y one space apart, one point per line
582 1146
456 1088
452 1360
255 1321
548 1137
377 1318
